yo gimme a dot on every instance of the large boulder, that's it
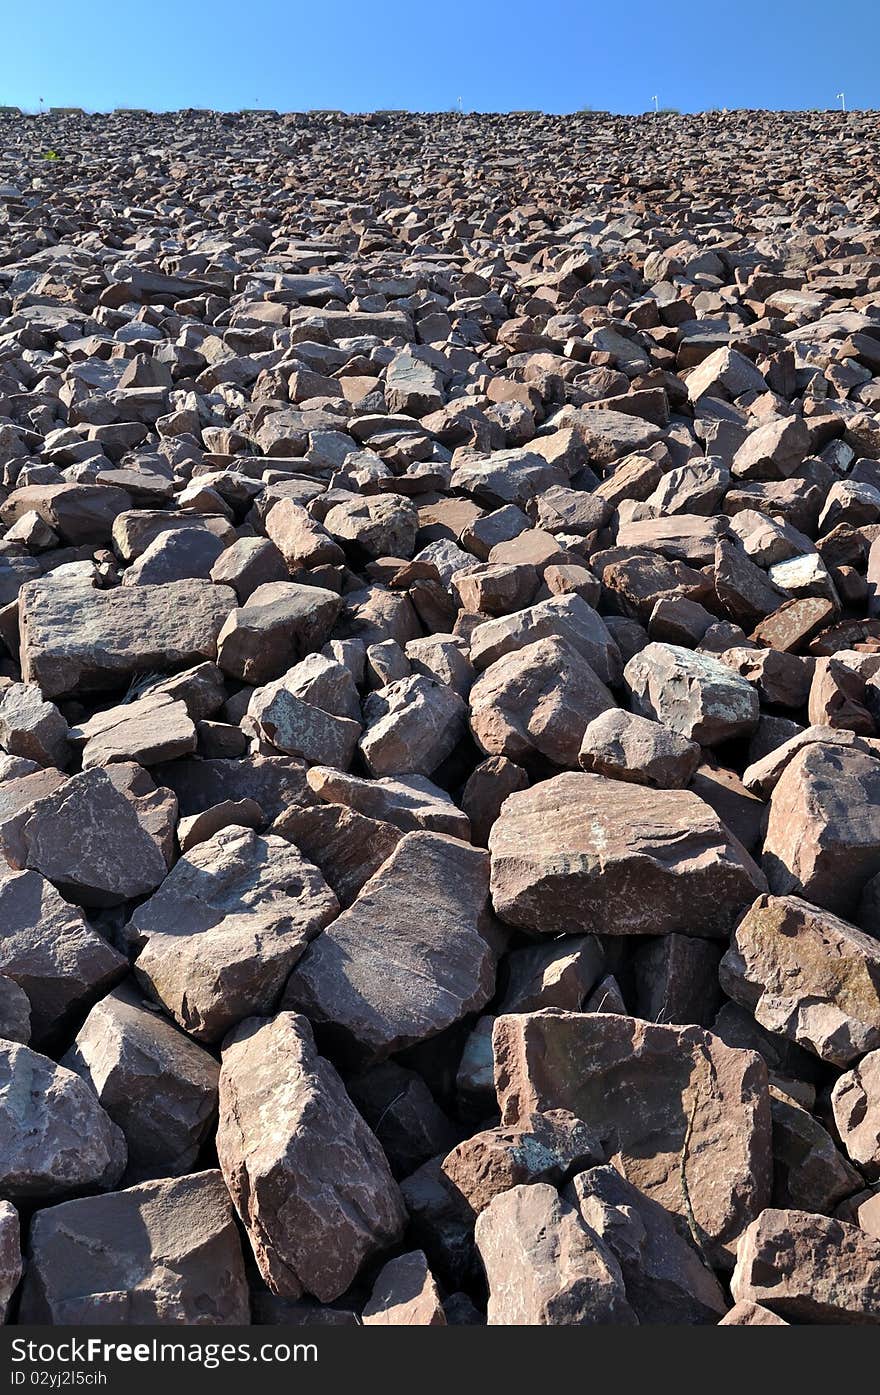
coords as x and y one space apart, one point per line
582 853
77 639
165 1252
685 1118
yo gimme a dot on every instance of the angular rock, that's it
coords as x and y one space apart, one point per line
537 702
56 1138
667 1103
74 638
164 1252
666 1279
31 727
87 840
412 726
823 829
279 623
807 975
545 1267
809 1269
695 695
226 927
409 958
308 1178
48 948
159 1087
855 1100
405 1295
626 747
538 1148
580 853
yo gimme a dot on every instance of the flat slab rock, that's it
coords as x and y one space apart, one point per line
409 958
659 1099
163 1252
582 853
308 1177
77 639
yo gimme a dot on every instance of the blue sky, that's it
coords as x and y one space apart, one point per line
556 55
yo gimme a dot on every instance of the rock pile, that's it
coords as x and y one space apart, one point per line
439 719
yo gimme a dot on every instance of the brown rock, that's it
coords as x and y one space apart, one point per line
409 958
54 1136
694 694
74 638
405 1295
165 1252
626 747
856 1104
486 790
31 727
748 1314
87 840
665 1278
808 975
159 1087
535 702
545 1267
347 847
279 623
538 1148
809 1269
665 1101
226 927
582 853
48 948
309 1179
823 830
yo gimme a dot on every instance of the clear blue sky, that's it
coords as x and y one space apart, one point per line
496 55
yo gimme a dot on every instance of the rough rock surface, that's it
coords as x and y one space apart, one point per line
440 587
544 1266
410 957
310 1181
163 1252
582 853
222 933
56 1137
662 1101
808 975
